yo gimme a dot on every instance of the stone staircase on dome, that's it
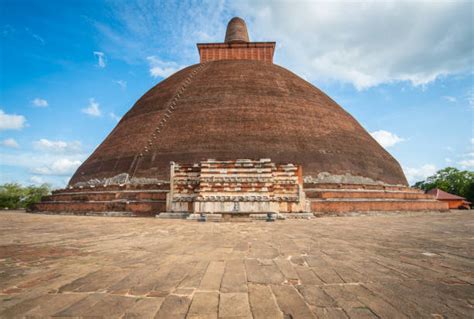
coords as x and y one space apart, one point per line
353 198
112 200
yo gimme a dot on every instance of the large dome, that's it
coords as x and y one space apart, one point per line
237 109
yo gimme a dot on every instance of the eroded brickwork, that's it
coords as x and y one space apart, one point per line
240 186
258 51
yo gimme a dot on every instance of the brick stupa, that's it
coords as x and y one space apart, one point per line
236 105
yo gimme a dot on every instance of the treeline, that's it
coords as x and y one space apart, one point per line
451 180
16 196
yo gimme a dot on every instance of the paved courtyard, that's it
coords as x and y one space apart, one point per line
416 266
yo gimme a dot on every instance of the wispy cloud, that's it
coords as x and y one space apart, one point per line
57 146
38 180
344 47
121 83
470 98
39 102
114 116
151 27
92 109
415 174
386 138
161 69
44 162
101 60
54 158
7 30
11 121
467 159
451 99
35 36
60 167
10 142
467 163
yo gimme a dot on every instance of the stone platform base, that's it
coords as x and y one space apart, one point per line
122 200
297 216
351 198
222 217
101 214
321 199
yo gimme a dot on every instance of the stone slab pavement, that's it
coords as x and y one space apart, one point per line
418 265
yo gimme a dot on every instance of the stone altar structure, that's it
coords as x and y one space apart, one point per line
236 187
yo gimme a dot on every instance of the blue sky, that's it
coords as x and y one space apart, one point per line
70 69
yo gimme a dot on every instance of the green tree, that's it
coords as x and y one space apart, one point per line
15 196
11 195
451 180
33 194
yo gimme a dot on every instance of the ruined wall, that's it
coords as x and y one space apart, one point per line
240 186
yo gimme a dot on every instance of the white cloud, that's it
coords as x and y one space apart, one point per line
101 61
114 116
57 146
121 83
364 43
161 69
386 139
56 165
62 166
11 121
92 109
448 160
415 174
470 98
40 102
10 142
35 36
149 27
367 43
451 99
38 180
469 163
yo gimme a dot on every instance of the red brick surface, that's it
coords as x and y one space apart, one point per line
240 109
261 51
144 202
371 205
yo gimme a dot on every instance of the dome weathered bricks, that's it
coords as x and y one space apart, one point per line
234 109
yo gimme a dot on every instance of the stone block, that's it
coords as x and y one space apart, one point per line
234 305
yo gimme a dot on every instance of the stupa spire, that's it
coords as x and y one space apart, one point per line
236 46
236 31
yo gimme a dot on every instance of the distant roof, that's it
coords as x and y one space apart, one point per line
440 194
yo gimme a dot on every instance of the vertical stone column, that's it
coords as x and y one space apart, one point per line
169 196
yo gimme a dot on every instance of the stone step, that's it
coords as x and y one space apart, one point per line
124 187
376 194
172 215
364 205
137 208
107 196
205 217
308 186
